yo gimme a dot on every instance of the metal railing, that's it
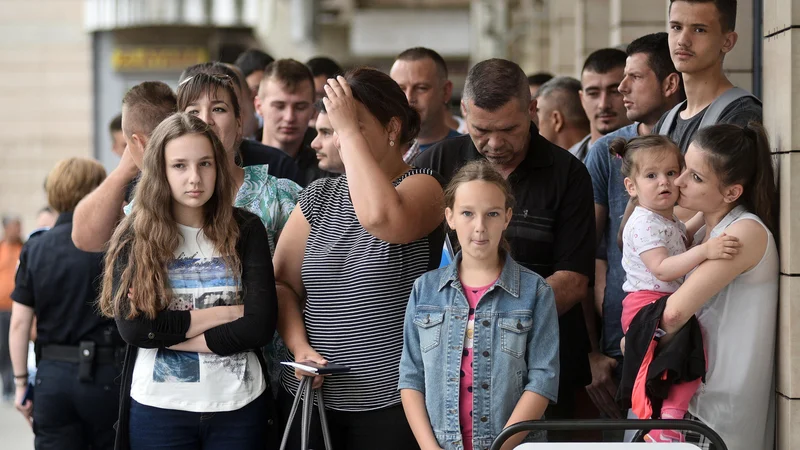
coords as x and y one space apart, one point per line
611 425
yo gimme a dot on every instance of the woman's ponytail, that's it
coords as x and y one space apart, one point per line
762 194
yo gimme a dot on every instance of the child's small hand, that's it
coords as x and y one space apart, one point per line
722 247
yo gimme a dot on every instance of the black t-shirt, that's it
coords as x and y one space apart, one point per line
739 112
552 227
280 164
62 284
308 163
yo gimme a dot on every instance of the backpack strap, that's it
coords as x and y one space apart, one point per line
669 121
717 107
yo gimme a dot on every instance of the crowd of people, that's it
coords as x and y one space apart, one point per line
564 249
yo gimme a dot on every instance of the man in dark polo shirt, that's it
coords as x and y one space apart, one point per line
552 229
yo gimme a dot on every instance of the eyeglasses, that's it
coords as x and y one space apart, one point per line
216 76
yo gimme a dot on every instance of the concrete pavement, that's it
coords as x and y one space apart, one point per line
15 434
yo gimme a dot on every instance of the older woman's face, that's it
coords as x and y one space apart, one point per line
699 185
219 114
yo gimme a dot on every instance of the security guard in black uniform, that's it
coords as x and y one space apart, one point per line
78 352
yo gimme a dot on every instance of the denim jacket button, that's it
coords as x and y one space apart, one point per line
486 323
486 354
485 385
484 419
519 325
428 319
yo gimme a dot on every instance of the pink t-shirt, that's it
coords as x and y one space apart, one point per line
474 294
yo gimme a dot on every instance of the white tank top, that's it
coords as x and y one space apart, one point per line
739 326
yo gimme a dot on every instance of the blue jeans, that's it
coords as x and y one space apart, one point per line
156 428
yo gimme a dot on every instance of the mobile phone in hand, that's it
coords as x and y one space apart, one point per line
318 369
28 394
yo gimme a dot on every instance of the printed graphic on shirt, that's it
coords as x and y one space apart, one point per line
198 283
271 199
645 231
176 367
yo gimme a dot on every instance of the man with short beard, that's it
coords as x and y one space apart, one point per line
650 87
600 77
325 143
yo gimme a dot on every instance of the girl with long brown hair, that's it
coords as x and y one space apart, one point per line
189 281
210 94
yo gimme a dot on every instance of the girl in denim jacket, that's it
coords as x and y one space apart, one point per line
480 348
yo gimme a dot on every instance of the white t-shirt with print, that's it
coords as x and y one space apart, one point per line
189 381
645 231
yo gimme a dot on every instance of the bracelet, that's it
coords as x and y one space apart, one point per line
17 377
20 382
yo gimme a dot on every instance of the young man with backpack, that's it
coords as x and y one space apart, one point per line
701 33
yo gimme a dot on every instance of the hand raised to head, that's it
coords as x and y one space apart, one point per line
342 108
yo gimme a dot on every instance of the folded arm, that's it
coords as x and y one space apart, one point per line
713 275
257 326
670 268
167 328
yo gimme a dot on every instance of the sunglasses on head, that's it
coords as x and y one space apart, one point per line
216 76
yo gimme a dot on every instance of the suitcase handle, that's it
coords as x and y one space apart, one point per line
306 392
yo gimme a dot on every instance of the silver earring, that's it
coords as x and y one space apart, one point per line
391 143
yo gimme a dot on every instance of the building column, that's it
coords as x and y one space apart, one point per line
489 29
530 41
739 62
592 18
47 73
562 37
631 19
781 92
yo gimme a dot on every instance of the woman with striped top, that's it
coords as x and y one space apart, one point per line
347 260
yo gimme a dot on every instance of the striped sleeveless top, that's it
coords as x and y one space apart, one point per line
357 289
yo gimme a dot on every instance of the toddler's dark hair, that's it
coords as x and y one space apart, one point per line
628 149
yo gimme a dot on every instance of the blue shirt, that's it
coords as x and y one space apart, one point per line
515 348
609 191
451 134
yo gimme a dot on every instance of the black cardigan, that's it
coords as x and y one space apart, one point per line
250 332
682 359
